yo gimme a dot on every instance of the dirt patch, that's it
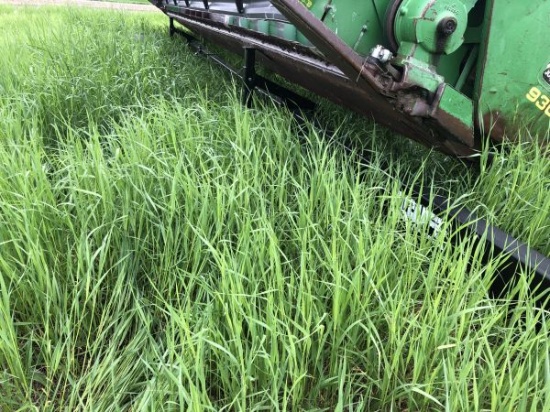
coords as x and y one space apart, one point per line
82 3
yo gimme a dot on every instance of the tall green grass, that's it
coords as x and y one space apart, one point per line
127 1
163 248
508 185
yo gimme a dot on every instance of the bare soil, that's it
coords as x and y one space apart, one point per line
82 3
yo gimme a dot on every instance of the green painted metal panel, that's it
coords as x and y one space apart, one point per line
356 23
513 82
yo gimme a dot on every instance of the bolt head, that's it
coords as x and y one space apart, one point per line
447 26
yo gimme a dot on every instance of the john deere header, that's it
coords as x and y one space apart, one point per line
447 73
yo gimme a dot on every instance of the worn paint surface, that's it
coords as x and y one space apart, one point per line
511 90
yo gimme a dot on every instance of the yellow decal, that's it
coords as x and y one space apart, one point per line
541 101
307 3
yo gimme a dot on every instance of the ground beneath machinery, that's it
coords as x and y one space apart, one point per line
82 3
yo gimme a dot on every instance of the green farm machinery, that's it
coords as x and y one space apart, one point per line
446 73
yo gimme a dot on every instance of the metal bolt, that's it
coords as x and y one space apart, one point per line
447 26
381 54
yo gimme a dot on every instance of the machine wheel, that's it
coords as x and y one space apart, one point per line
391 13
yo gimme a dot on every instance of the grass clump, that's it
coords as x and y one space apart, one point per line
514 189
164 248
127 1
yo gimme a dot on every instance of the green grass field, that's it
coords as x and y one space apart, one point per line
164 248
127 1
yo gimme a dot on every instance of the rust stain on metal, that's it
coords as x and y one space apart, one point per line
495 124
449 124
